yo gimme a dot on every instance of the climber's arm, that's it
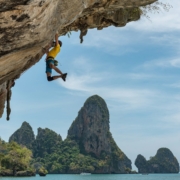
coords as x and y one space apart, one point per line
56 39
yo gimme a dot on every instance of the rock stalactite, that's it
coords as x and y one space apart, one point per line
27 27
9 93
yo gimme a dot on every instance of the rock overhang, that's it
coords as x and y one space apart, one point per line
27 27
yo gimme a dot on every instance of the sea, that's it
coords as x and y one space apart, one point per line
99 177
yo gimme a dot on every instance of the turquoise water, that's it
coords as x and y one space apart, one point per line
101 177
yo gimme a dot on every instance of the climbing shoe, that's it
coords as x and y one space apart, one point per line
64 76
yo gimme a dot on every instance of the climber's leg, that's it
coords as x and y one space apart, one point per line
49 67
52 66
63 76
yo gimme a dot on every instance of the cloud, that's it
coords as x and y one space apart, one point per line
140 76
128 98
79 82
80 62
164 37
172 119
174 85
20 107
163 63
109 40
160 22
111 86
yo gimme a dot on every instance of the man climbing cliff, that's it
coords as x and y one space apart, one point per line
50 61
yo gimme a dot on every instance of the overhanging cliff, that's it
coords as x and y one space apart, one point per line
28 26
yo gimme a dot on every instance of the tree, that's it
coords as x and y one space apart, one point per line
3 149
17 158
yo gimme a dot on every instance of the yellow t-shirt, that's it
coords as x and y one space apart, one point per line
53 52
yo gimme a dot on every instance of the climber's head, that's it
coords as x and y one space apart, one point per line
60 43
54 43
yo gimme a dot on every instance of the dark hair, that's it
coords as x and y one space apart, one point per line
54 43
60 43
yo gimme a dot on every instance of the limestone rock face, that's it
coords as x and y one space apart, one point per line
163 162
141 163
28 26
91 132
91 127
24 135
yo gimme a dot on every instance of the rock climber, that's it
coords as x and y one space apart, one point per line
50 60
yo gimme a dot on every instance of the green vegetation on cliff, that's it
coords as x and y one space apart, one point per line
163 162
89 146
66 159
13 158
24 135
46 142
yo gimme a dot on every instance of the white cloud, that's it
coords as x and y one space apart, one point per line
108 40
79 82
160 22
163 63
82 64
128 98
172 119
174 85
140 76
133 96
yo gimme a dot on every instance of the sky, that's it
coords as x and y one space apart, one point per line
135 69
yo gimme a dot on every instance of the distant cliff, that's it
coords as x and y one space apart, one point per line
24 135
163 162
89 146
91 132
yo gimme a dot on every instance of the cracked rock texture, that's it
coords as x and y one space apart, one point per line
28 26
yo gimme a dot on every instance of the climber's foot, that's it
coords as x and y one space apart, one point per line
64 76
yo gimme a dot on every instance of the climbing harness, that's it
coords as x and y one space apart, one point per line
55 61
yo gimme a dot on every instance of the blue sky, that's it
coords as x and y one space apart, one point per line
135 69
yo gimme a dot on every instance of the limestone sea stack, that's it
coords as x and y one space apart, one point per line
91 131
163 162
